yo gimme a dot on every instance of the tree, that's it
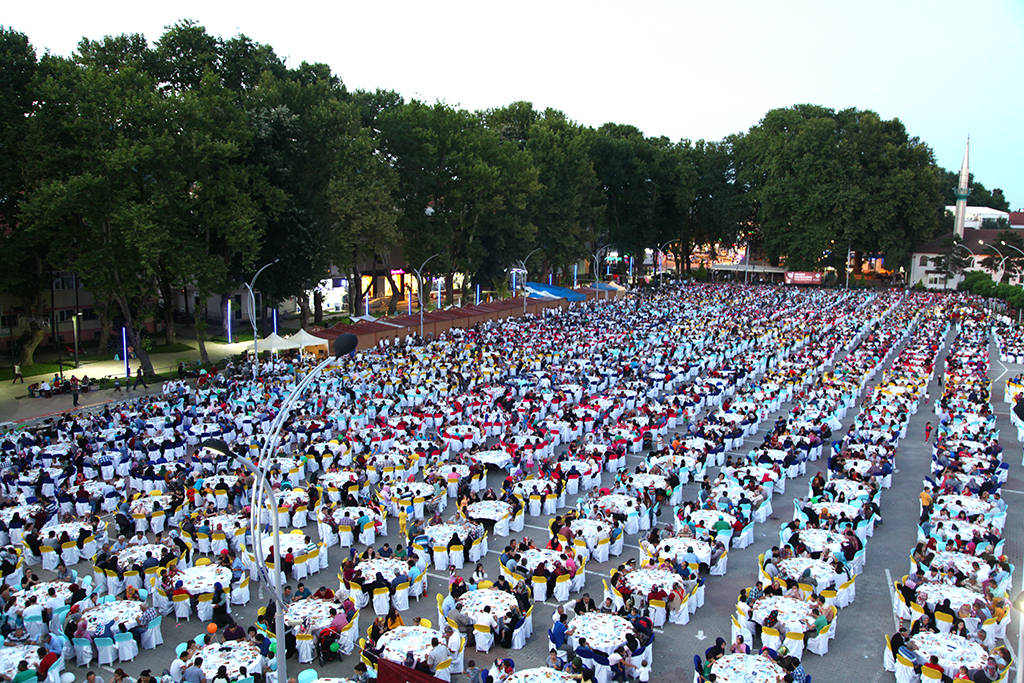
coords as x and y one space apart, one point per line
461 189
819 176
720 204
23 271
953 259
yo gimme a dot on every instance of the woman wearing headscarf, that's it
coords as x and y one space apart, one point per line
220 606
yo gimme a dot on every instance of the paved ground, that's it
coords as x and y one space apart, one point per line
17 406
855 655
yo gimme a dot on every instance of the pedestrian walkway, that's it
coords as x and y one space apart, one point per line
17 406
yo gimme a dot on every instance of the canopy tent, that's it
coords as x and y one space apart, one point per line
275 343
303 339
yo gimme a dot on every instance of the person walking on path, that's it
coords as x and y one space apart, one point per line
17 374
74 392
140 379
117 385
927 432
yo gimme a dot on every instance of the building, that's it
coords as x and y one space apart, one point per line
977 241
975 216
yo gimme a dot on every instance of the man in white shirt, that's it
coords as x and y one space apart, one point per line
453 640
138 539
487 619
176 670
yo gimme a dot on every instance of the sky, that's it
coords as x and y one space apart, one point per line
680 69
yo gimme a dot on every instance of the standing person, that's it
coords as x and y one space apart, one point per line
17 374
140 379
74 393
927 432
117 385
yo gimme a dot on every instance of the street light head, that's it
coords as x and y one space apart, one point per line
1018 602
217 445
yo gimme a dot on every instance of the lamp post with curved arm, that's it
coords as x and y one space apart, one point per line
661 251
419 291
522 264
252 319
597 266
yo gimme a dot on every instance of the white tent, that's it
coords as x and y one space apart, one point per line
302 339
275 343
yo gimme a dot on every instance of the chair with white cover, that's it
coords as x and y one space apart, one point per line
305 643
368 534
943 621
401 597
127 648
484 637
819 643
34 626
771 638
617 545
70 553
562 587
204 607
516 523
795 644
345 536
457 556
153 636
721 566
440 558
540 589
381 601
888 661
740 629
520 634
905 670
240 593
49 558
106 651
444 670
658 612
83 651
182 607
602 549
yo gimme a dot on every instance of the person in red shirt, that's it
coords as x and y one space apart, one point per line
657 594
46 660
933 663
324 593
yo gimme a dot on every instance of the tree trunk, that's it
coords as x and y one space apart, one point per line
449 293
304 310
858 262
395 294
224 322
200 324
167 293
36 332
188 315
105 325
318 308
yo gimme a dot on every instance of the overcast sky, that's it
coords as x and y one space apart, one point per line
681 69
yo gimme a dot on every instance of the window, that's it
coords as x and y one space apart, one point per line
924 260
8 320
63 280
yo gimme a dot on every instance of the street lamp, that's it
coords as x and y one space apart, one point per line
263 496
74 325
252 318
1018 604
661 250
419 290
597 267
522 264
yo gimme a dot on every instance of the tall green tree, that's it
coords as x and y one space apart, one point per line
461 188
819 176
102 140
23 270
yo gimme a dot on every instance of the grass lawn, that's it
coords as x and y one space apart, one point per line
39 369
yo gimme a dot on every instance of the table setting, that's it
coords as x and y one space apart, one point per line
794 615
500 602
492 510
741 668
397 642
952 650
232 655
125 612
197 580
793 569
604 632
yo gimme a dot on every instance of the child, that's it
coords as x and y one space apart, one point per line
472 672
927 432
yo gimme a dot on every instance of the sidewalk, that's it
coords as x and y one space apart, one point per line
16 405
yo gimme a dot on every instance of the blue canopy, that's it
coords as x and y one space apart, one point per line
557 292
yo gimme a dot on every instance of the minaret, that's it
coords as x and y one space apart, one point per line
961 192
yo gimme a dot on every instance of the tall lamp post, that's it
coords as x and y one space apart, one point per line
522 264
1018 604
252 319
597 266
661 250
74 322
263 497
419 289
